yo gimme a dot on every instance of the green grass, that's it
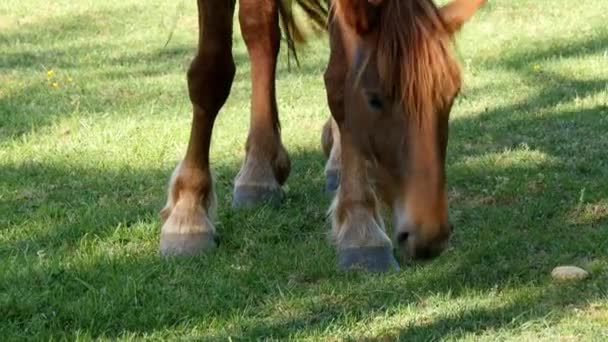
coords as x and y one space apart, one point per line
84 165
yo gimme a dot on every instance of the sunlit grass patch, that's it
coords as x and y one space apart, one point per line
519 157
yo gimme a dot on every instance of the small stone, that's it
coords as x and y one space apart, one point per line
569 273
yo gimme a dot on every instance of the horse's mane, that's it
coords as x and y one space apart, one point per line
414 62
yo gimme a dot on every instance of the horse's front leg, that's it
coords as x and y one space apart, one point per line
266 166
357 227
188 215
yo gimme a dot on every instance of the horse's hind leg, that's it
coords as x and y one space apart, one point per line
334 77
357 226
188 227
330 141
266 166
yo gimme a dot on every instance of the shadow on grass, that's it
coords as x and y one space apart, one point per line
88 257
66 229
555 49
106 74
75 29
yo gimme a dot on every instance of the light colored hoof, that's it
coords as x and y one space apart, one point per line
569 273
371 259
249 196
332 181
188 244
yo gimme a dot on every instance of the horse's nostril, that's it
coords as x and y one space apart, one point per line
402 237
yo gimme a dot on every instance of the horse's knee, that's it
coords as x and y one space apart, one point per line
210 78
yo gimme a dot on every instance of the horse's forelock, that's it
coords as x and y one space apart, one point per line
414 63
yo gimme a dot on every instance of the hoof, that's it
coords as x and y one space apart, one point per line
248 196
332 181
372 259
175 244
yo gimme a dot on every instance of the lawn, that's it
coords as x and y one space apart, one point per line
94 115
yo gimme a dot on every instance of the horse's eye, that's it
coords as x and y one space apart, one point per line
375 102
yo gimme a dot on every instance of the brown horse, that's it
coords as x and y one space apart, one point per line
391 81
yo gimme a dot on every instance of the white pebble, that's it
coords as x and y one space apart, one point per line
569 273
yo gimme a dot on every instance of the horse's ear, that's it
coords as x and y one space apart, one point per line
457 12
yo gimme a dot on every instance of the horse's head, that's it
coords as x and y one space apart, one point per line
399 92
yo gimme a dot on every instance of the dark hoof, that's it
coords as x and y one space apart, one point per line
372 259
332 181
174 244
248 196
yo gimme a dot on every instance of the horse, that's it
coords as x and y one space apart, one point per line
390 81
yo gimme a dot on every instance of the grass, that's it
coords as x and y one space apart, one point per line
94 115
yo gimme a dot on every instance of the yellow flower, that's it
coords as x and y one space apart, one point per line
50 73
70 80
536 67
55 85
